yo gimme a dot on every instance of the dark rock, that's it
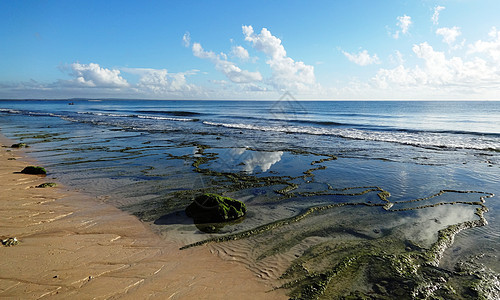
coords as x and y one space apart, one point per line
46 185
34 170
20 145
213 208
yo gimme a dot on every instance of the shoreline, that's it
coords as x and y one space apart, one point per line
73 245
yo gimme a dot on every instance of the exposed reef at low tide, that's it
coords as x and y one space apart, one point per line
378 265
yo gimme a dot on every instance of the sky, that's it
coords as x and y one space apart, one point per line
252 50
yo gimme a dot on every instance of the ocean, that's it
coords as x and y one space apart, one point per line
439 161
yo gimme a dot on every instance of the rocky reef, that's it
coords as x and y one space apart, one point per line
334 257
325 239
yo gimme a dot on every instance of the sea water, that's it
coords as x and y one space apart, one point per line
150 158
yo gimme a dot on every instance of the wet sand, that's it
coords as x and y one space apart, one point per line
72 245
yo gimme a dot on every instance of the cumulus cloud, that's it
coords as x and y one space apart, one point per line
92 80
439 71
404 23
490 48
287 74
228 68
92 75
240 52
160 82
397 57
186 40
435 16
449 34
362 58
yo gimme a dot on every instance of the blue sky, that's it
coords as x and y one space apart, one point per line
408 50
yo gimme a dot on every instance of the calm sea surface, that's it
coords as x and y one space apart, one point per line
144 157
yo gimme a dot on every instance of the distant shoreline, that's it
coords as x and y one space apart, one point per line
246 100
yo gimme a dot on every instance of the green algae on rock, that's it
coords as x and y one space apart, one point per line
46 185
19 145
213 208
34 170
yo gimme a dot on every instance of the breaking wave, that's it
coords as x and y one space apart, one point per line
413 138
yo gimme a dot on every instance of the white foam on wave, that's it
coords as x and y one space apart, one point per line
11 111
137 116
166 118
30 113
420 139
102 114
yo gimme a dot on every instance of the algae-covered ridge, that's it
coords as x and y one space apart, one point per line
389 267
395 268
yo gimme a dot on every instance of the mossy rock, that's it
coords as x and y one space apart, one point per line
46 185
19 145
213 208
34 170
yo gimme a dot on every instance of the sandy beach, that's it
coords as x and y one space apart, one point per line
71 245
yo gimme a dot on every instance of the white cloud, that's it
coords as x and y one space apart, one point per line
240 52
93 75
287 73
435 16
265 42
186 39
399 57
160 82
362 58
491 48
404 23
228 68
441 72
449 34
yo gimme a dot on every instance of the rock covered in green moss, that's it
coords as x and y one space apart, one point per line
34 170
19 145
46 185
213 208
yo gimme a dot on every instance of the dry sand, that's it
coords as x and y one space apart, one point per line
71 245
